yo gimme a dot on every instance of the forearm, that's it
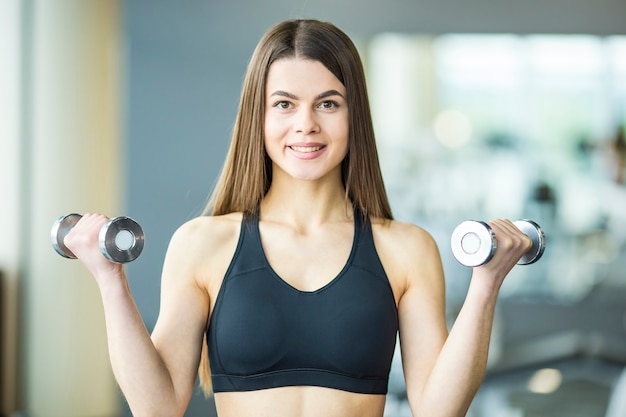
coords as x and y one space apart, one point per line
461 364
137 365
156 376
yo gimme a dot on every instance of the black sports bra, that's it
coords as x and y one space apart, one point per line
264 333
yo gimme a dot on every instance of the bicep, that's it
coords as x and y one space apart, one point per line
183 316
421 312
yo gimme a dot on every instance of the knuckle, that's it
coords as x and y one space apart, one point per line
507 242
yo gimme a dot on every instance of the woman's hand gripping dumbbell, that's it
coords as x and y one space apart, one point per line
121 239
474 243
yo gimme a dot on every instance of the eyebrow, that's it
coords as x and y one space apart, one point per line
325 94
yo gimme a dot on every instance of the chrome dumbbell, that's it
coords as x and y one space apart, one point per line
121 239
474 242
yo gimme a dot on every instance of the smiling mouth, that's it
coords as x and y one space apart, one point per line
306 149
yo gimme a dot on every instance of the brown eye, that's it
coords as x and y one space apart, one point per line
282 104
328 105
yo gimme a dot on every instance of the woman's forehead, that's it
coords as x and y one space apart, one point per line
305 75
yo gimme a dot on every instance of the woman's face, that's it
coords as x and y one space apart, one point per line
306 119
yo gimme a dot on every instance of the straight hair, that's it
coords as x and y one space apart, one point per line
247 172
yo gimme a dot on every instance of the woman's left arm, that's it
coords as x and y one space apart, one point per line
444 371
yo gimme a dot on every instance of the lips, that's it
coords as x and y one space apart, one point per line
306 149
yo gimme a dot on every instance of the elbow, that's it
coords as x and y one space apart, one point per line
155 413
156 409
441 407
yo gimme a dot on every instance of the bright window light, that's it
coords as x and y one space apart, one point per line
452 128
545 381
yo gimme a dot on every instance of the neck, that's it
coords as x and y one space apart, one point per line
304 202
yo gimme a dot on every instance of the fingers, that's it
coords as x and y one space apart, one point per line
84 235
511 240
93 220
83 240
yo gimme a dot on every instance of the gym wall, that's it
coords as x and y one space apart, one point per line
61 134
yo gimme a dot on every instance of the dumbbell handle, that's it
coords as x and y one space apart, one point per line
121 239
474 243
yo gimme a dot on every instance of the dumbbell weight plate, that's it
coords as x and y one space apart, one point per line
473 243
535 233
121 239
60 229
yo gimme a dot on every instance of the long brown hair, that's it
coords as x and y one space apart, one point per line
247 172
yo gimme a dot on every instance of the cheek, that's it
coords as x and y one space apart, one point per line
341 132
272 130
271 138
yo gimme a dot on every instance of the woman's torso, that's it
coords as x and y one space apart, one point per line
295 257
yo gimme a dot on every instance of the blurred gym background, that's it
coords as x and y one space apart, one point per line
483 109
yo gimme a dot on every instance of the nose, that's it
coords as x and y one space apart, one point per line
306 122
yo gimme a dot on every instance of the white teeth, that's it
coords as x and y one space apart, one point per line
306 149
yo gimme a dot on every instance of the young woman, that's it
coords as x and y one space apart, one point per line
297 281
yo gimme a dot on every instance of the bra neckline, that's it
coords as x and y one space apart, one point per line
355 238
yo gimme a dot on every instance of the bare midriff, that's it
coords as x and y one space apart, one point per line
299 402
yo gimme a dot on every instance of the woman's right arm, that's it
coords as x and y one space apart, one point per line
156 373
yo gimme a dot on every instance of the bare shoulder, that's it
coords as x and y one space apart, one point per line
203 246
203 230
403 237
408 253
